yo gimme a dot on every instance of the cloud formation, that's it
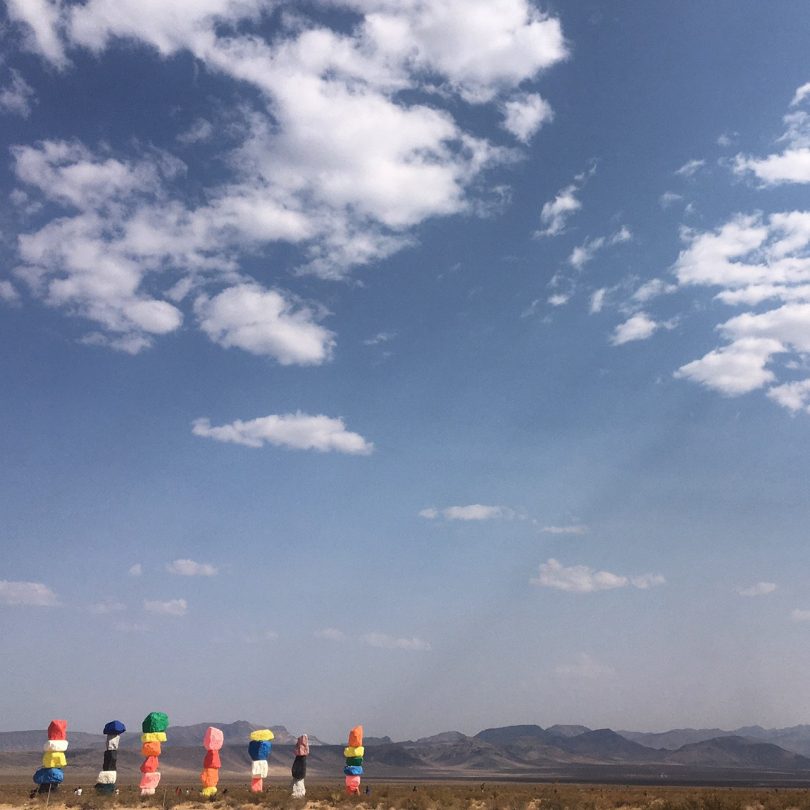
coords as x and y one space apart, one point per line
171 607
473 511
792 164
585 666
17 97
584 579
26 593
189 568
298 431
762 264
334 162
758 589
386 642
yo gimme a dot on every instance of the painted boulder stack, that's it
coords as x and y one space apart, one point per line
354 753
259 748
209 776
153 735
299 767
52 773
108 775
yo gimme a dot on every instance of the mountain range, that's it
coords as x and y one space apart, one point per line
508 752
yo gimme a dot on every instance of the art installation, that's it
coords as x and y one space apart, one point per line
299 767
354 753
212 742
259 748
108 775
51 774
154 733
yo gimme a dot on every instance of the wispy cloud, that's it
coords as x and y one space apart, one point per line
473 511
34 594
758 589
170 607
690 168
380 337
555 214
298 431
800 615
17 96
135 570
584 579
330 634
574 528
584 253
386 642
189 568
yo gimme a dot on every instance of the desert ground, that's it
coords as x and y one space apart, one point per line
432 796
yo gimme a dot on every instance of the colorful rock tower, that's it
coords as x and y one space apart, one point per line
51 775
154 733
212 742
108 775
299 767
259 748
354 754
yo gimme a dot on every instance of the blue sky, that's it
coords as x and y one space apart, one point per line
424 364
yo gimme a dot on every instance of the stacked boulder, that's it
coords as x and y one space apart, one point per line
153 734
108 775
259 748
212 742
51 774
354 753
299 767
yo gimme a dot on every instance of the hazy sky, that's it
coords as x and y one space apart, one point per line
431 364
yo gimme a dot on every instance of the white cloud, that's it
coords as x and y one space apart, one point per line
584 253
8 293
597 301
386 642
752 260
801 93
795 396
26 593
265 322
299 431
734 369
558 299
669 198
637 327
41 20
555 213
574 528
758 589
17 96
330 634
525 114
171 607
690 168
135 570
792 164
474 511
799 615
380 337
585 666
646 581
335 160
200 130
652 289
584 579
189 568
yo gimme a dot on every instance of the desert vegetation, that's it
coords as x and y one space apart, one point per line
434 796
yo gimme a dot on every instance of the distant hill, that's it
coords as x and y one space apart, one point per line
739 752
521 751
178 736
505 735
